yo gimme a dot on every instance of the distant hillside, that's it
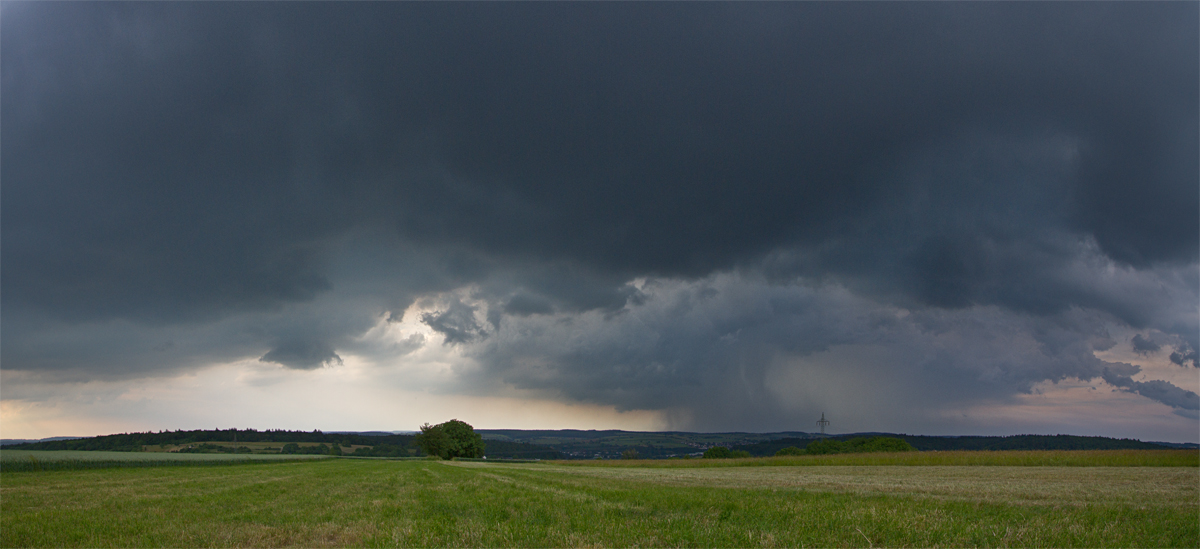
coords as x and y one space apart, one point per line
1014 442
1027 442
608 444
566 443
1179 445
499 449
387 444
9 441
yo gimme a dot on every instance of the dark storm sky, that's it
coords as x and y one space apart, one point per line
651 206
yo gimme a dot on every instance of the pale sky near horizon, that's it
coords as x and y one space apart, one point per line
929 218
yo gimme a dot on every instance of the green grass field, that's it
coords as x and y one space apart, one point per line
349 502
32 460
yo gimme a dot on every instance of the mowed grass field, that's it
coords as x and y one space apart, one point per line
351 502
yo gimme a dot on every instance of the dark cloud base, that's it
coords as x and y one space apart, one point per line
267 180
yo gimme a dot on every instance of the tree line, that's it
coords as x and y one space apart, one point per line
307 442
852 446
1014 442
133 442
822 446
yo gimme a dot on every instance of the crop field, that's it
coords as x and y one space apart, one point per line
255 446
1021 458
355 502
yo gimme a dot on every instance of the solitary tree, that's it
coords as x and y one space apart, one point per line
451 439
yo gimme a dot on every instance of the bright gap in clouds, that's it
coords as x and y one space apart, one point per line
360 394
351 397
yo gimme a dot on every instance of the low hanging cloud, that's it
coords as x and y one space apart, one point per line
1144 346
456 323
302 355
1186 403
733 349
1184 355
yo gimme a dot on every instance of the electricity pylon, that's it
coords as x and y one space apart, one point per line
823 422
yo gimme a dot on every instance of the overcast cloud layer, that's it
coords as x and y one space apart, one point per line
738 215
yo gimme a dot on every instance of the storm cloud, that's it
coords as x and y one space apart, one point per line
681 207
